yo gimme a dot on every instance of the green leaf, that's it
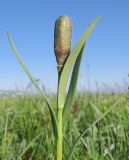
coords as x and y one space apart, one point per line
72 88
98 112
70 63
53 117
78 134
4 140
94 123
29 145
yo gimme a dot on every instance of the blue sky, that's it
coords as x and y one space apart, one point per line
31 25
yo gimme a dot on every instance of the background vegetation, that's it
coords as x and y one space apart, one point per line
26 132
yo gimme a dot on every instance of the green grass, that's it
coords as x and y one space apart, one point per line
26 131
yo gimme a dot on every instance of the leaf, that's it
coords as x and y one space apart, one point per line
29 145
98 112
72 88
70 63
53 117
4 140
95 122
82 139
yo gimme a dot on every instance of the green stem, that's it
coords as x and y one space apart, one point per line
59 121
59 74
59 140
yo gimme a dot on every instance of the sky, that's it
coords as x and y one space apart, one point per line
31 26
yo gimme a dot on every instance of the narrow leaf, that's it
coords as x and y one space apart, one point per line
53 117
98 112
82 139
71 92
29 145
70 63
4 140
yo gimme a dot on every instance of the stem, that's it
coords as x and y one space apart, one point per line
59 120
59 67
59 140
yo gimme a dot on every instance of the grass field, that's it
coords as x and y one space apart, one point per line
26 132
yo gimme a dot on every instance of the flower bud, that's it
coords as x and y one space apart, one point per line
62 39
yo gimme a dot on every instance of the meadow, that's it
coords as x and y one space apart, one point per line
69 125
26 132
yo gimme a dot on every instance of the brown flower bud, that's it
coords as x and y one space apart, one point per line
62 39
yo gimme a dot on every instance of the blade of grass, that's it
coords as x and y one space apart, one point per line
29 145
98 112
37 147
82 139
53 117
4 145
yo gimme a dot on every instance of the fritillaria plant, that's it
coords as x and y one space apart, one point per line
67 61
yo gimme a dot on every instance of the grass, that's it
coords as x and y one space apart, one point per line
26 132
